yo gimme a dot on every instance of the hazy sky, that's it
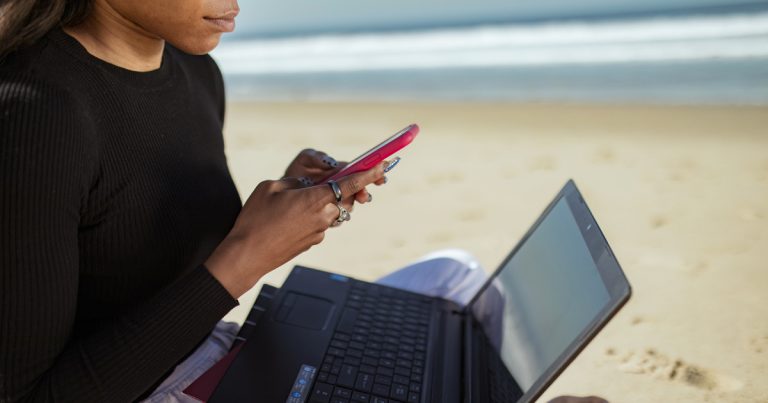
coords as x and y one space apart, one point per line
279 17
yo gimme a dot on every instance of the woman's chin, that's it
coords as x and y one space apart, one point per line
201 46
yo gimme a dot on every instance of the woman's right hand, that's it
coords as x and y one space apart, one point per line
280 220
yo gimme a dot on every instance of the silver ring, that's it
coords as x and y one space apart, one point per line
343 214
336 190
392 164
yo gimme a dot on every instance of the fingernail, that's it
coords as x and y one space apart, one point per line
386 179
306 181
330 161
370 197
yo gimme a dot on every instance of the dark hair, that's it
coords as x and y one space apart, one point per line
23 22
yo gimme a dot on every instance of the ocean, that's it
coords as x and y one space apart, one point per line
696 58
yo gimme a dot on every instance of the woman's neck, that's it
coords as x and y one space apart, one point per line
111 37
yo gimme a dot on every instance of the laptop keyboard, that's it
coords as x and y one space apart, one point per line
378 350
501 385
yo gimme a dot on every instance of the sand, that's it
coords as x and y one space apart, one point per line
680 192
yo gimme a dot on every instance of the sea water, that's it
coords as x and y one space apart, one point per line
706 58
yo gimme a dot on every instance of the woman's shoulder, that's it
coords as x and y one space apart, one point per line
36 96
35 61
39 96
36 104
36 74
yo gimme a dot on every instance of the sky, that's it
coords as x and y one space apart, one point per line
293 17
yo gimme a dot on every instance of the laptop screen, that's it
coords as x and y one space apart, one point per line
546 294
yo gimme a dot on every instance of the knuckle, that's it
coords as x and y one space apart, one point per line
325 223
291 182
352 185
321 196
264 185
320 223
314 201
377 172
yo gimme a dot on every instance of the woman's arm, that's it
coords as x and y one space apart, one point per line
47 158
46 161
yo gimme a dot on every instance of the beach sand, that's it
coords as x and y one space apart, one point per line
680 192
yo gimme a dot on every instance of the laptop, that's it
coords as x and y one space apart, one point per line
326 337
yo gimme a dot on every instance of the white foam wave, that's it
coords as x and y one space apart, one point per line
642 40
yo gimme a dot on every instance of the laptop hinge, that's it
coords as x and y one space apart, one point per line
445 377
466 359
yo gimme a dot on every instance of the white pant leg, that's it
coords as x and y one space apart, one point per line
213 349
450 273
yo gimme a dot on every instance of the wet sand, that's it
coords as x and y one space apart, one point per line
680 192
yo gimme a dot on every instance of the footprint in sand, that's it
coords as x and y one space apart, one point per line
666 369
543 163
471 215
762 171
695 266
445 177
677 176
658 221
759 344
397 242
680 170
748 214
440 237
605 155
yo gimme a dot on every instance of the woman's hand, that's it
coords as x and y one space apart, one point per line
312 166
280 220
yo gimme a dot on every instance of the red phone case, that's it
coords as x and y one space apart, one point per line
378 153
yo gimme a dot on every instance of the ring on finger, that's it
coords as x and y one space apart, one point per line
343 214
336 190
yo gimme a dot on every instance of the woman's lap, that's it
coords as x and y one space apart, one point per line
214 348
451 274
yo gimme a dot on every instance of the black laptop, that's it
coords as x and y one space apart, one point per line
330 338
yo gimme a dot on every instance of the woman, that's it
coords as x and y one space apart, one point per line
123 242
122 238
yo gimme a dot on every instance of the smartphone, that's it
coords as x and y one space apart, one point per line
378 153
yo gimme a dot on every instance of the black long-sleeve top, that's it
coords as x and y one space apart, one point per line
114 189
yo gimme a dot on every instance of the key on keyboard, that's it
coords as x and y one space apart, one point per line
378 351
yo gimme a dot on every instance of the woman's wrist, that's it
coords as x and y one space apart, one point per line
227 266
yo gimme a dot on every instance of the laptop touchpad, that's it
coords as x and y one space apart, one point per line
304 311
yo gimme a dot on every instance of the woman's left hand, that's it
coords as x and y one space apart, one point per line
311 166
